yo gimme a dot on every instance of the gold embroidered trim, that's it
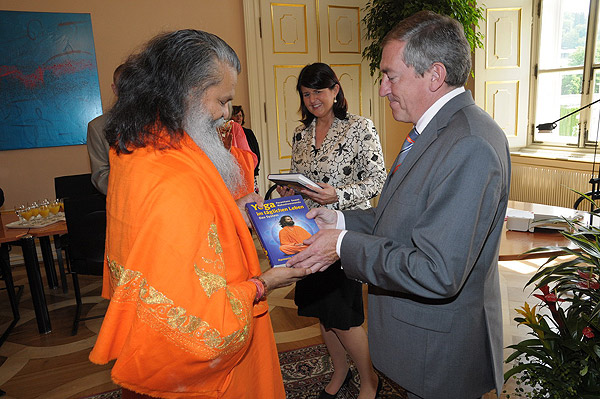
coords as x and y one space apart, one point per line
210 282
189 332
213 239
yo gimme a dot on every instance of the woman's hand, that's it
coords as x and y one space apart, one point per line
277 277
285 191
326 195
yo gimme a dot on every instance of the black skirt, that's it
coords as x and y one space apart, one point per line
332 298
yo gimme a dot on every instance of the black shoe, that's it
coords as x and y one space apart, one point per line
326 395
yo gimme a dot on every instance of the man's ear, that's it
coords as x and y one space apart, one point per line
437 74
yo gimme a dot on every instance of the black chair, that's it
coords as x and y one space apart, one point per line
86 222
270 192
74 186
595 195
70 186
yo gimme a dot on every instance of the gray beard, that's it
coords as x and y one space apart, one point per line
203 130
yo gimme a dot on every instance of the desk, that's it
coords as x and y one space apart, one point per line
26 239
514 243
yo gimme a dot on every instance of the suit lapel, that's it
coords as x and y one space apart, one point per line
394 181
426 138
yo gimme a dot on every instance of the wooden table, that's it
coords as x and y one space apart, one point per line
514 243
26 239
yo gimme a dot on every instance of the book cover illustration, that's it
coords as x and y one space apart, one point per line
281 225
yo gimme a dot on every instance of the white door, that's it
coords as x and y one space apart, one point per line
281 38
502 67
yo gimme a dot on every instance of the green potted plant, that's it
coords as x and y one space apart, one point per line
562 358
382 15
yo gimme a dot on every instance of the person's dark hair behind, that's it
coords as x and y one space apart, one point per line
236 109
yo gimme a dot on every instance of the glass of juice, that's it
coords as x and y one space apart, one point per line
27 213
54 207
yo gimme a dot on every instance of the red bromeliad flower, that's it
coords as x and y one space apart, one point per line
587 332
588 282
549 298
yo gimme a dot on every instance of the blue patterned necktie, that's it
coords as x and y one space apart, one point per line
406 146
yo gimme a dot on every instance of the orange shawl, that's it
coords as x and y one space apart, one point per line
181 321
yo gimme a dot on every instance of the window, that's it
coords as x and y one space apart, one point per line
567 72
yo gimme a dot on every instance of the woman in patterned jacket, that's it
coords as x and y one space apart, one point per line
342 153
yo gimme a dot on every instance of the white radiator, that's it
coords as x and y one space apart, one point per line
546 185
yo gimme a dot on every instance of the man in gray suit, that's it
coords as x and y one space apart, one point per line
98 146
429 250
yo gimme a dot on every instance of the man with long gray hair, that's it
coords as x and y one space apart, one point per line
187 314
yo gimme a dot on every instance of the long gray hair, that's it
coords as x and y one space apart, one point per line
155 84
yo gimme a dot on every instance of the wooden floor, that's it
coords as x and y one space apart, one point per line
55 365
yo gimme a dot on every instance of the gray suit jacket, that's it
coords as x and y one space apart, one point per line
98 150
429 251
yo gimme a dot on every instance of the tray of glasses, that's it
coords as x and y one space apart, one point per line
36 223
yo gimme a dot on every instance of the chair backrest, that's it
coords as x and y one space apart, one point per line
595 195
86 222
74 186
270 191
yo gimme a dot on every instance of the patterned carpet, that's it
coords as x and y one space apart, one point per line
305 372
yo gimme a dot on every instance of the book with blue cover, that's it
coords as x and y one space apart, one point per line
282 226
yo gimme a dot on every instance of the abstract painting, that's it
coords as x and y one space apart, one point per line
49 87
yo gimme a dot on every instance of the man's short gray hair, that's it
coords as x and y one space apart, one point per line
431 38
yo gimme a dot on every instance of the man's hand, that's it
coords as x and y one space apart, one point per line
320 253
241 203
226 134
325 218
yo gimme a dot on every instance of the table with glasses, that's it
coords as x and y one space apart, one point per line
25 238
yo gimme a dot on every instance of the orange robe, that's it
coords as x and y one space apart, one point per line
290 237
182 322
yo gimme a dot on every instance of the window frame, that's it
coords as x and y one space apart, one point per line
583 142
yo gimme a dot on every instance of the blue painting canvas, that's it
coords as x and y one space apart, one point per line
49 87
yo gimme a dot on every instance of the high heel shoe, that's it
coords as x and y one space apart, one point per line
326 395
